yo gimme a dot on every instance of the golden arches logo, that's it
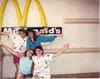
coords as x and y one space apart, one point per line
22 19
2 10
42 14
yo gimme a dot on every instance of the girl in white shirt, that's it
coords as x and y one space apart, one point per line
41 61
19 44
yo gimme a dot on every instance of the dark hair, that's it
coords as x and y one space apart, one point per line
25 54
22 30
39 47
34 33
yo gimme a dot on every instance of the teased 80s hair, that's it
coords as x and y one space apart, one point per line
22 30
34 33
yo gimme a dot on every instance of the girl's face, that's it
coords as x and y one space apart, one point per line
22 34
39 52
29 53
30 34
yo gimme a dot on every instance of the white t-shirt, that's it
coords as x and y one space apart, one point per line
42 62
19 44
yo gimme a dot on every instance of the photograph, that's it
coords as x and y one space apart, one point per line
49 39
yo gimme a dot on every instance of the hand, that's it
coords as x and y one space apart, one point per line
0 44
59 35
66 45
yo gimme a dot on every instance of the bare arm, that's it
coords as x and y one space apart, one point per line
66 46
4 33
12 51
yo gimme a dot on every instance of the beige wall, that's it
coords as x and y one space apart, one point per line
64 64
78 35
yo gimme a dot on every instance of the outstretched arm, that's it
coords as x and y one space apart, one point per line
11 51
4 33
66 46
46 38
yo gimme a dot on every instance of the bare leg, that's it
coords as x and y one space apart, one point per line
33 78
19 76
16 65
15 57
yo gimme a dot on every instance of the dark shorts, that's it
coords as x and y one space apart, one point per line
28 76
15 59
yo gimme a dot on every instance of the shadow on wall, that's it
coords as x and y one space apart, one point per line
1 54
1 62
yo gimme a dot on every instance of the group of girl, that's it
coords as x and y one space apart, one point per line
33 62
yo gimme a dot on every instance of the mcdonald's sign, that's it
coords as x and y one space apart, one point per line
49 30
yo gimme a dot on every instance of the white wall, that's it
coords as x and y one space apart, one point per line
78 35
